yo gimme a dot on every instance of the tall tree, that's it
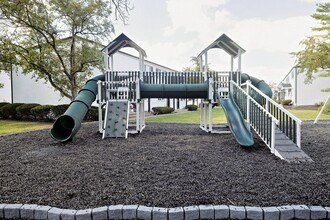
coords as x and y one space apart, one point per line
57 40
316 53
195 66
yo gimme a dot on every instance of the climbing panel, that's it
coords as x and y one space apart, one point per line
116 119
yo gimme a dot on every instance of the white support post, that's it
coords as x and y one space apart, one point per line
100 102
111 63
231 87
206 65
267 105
141 62
201 115
239 67
205 116
137 117
272 147
322 109
248 82
137 91
248 109
232 64
106 60
298 135
210 117
142 115
211 91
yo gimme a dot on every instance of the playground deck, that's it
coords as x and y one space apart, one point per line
168 165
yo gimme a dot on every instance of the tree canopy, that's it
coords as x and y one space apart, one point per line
57 40
316 53
196 67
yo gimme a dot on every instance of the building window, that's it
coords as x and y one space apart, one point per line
151 69
158 70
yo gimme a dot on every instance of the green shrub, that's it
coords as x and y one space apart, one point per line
9 111
192 107
92 114
326 109
162 110
2 104
318 104
58 110
286 102
24 111
43 112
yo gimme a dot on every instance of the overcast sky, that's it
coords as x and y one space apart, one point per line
171 31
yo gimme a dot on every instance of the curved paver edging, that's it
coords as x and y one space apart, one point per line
39 212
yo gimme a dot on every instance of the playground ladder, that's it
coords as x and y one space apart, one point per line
116 119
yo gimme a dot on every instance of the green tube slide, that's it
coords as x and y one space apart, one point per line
187 91
68 124
259 84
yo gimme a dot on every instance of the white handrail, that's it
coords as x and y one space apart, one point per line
254 101
273 124
274 103
269 100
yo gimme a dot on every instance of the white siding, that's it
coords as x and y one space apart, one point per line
309 94
126 62
27 90
163 102
5 91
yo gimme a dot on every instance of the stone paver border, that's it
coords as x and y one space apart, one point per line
36 212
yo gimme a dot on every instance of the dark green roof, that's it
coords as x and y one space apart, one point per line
122 41
225 43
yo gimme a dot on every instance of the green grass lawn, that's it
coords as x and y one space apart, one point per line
9 126
191 117
308 114
219 116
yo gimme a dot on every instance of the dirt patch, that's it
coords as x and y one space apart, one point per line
167 165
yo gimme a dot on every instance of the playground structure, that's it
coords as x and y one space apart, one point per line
246 101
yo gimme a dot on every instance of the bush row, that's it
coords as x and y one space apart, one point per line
286 102
192 107
162 110
326 109
33 111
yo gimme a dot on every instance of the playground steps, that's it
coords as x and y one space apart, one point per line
288 150
116 119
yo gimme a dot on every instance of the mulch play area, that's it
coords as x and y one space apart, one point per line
167 165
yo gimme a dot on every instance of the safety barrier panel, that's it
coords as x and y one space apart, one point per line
220 79
114 90
256 115
289 124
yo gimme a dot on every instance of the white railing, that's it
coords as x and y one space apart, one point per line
262 122
220 82
288 123
115 90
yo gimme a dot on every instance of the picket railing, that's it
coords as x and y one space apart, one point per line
260 120
289 124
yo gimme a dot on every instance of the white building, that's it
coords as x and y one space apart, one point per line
20 88
293 87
